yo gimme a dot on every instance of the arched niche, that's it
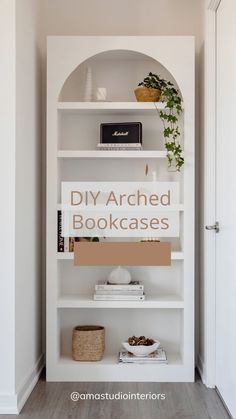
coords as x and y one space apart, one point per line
119 71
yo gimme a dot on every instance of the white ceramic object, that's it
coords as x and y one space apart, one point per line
88 88
141 350
101 94
119 276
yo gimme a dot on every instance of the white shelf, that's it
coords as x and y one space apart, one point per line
70 255
108 369
177 255
110 154
85 301
127 108
173 358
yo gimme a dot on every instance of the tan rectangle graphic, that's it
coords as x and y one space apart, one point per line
122 253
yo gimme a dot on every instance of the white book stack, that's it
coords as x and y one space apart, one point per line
119 292
156 357
119 146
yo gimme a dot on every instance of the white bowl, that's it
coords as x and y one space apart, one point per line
141 350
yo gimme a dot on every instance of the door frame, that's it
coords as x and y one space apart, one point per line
208 365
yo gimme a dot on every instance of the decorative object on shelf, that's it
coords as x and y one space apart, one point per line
119 276
121 136
147 94
150 176
141 346
88 87
101 94
88 343
169 116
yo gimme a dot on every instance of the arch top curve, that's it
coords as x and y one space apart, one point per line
117 70
174 53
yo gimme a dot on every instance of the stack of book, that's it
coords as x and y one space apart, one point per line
157 357
64 244
119 292
119 146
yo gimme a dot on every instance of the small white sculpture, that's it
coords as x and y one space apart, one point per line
119 276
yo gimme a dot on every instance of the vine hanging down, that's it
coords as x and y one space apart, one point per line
169 116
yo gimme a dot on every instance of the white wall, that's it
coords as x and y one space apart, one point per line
20 177
133 17
7 208
28 191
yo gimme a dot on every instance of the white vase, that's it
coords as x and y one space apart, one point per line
119 276
88 88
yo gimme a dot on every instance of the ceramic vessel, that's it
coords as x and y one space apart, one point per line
119 276
141 350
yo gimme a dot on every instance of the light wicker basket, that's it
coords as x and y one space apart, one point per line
88 343
147 94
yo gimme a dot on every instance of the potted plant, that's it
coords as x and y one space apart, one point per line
149 89
169 115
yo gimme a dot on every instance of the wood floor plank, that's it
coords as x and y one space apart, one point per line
183 401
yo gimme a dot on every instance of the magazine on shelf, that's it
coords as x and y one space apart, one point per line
156 357
118 297
133 285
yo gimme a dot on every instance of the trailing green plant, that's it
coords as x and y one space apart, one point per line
169 116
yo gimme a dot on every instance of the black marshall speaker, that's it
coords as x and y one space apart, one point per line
121 133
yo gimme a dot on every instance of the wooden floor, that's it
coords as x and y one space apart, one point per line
183 401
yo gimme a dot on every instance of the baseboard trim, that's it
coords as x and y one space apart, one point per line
202 372
26 388
12 403
8 404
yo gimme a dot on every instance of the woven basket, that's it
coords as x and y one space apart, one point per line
88 343
145 94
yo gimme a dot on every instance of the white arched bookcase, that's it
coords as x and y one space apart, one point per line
118 63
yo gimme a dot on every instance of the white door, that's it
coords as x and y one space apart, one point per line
226 204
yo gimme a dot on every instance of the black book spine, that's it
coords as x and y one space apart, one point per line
60 239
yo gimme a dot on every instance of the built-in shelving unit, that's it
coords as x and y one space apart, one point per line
118 63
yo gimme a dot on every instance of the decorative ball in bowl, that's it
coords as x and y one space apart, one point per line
141 346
